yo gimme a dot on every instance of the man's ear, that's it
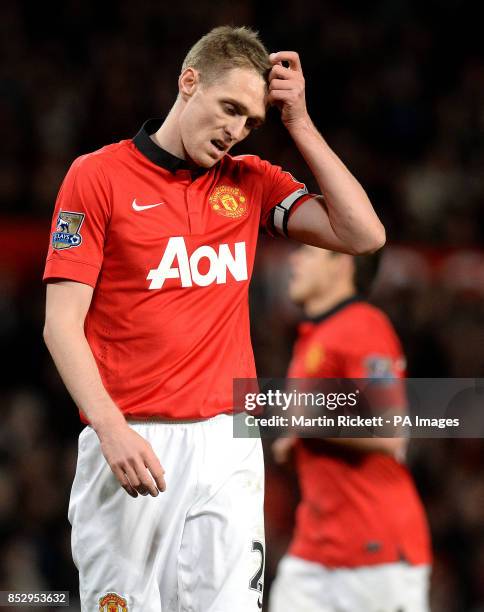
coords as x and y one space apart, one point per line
188 82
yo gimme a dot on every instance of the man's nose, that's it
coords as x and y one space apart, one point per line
235 129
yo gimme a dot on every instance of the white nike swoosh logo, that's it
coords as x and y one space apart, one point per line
138 207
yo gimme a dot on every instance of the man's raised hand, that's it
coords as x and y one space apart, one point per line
287 88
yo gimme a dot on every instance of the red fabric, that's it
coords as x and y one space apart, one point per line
171 351
357 508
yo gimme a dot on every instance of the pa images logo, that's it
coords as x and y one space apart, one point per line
67 232
112 602
228 201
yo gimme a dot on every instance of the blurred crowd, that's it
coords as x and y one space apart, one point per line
395 88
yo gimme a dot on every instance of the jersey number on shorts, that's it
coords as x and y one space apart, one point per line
257 581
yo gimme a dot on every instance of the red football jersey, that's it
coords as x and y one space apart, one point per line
169 252
356 508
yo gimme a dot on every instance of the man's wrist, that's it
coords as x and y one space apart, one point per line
106 422
300 125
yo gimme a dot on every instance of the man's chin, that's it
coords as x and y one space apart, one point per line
297 297
204 161
208 163
202 158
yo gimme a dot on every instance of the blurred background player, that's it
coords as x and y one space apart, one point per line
361 542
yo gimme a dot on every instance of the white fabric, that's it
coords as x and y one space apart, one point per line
190 548
303 586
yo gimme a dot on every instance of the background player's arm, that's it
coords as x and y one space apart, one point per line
282 449
129 455
343 219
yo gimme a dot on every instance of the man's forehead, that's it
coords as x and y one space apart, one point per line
246 87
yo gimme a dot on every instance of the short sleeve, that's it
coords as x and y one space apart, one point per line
373 364
282 195
383 370
78 230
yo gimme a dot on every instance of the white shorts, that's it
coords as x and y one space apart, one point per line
303 586
197 547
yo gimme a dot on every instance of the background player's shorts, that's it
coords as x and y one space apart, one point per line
197 547
301 586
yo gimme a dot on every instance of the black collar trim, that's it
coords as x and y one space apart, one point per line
155 153
332 311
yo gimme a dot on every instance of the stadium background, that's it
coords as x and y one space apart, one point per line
395 86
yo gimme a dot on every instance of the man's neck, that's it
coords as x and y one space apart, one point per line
320 304
168 135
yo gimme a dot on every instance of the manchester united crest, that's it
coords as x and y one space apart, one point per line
112 602
314 358
228 201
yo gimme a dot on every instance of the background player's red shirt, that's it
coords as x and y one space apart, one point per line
169 252
357 508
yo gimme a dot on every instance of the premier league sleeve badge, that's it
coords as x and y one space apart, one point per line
67 233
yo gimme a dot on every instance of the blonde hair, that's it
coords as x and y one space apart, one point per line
224 48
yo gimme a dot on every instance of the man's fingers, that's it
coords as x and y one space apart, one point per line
124 482
280 72
139 481
160 480
135 479
287 56
138 470
281 84
129 489
150 486
277 95
145 484
156 470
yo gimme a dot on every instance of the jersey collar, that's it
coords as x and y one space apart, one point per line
329 313
155 153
